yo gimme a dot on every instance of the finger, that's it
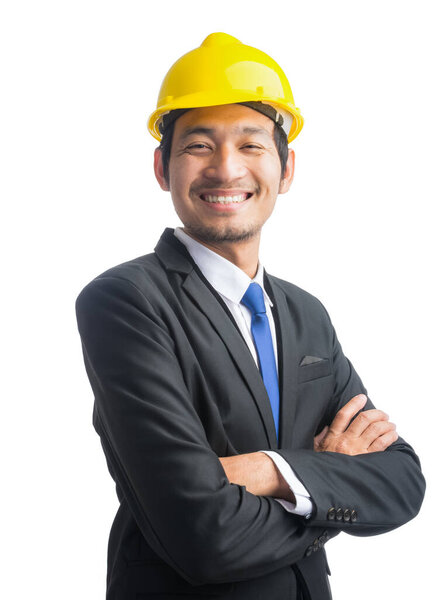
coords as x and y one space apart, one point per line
382 442
318 439
376 430
364 420
347 412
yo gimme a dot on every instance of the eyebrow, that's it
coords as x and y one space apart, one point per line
191 130
210 131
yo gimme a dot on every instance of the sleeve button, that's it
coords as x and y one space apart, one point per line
331 515
347 515
353 516
339 514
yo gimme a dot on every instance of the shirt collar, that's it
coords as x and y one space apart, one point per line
229 280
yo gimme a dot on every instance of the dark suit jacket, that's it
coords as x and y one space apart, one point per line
176 387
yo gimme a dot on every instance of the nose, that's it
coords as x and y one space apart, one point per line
225 165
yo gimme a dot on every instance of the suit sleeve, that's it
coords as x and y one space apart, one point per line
365 494
208 530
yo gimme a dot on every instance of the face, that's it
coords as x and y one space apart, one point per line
224 172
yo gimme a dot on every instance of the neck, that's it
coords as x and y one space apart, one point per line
243 254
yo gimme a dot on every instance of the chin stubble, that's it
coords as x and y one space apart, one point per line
228 234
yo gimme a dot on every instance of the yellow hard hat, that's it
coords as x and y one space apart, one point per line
225 71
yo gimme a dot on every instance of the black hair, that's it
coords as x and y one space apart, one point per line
279 137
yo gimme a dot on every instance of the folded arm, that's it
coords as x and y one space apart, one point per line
350 433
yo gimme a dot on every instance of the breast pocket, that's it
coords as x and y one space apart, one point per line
314 370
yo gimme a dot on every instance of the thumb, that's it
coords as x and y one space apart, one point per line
318 438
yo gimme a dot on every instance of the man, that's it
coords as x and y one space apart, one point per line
238 434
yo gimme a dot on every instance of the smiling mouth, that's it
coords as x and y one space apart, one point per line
225 199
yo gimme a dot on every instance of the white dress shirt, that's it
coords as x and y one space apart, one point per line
231 283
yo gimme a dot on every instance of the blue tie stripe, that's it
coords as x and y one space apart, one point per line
253 299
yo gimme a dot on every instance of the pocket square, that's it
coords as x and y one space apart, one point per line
310 360
313 368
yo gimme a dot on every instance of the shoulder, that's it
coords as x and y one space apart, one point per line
139 276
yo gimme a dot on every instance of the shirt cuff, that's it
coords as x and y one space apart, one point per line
304 505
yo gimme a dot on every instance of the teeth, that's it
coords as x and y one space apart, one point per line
224 199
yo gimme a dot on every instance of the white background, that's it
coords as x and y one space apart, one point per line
359 229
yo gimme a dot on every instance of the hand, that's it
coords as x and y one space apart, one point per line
371 431
258 473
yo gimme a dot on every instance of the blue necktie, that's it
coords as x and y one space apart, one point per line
253 299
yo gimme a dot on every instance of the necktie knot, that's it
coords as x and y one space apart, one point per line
253 299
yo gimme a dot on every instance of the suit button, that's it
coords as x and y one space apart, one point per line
339 514
309 551
316 545
326 535
331 515
353 516
347 515
322 540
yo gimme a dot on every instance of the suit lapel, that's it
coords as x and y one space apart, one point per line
286 332
174 256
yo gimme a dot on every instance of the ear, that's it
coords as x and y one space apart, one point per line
287 179
159 171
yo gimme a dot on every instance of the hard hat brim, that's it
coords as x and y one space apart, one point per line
199 100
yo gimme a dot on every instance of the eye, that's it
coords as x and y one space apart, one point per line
252 146
197 147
